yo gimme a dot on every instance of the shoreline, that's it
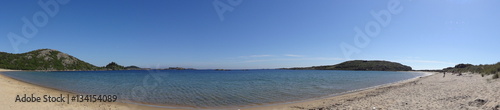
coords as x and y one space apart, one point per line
345 100
319 100
433 92
313 100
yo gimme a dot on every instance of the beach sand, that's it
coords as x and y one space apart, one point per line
430 92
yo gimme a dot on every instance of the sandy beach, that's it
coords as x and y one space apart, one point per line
452 92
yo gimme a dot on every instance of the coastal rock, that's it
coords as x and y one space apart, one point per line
62 55
496 107
455 98
29 56
298 107
477 102
44 52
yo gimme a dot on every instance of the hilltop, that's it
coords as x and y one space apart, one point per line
43 59
362 65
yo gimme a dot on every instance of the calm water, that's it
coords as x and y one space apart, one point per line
208 88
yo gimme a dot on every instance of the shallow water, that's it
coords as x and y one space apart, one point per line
209 88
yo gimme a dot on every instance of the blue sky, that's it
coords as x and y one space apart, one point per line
425 34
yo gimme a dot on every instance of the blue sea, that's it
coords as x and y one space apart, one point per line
210 88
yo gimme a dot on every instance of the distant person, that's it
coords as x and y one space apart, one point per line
444 73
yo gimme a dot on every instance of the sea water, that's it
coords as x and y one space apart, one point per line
210 88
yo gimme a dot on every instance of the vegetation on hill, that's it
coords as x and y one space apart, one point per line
52 60
493 69
114 66
43 59
362 65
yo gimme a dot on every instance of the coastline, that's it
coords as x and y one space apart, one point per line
319 102
406 94
433 92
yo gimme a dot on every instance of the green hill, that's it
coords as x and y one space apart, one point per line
362 65
43 59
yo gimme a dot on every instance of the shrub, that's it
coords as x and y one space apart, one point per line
463 65
495 76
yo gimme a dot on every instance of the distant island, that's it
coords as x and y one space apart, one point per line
178 68
360 65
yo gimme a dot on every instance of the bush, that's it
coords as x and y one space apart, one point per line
495 76
463 65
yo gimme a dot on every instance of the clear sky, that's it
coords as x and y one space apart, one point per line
424 34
